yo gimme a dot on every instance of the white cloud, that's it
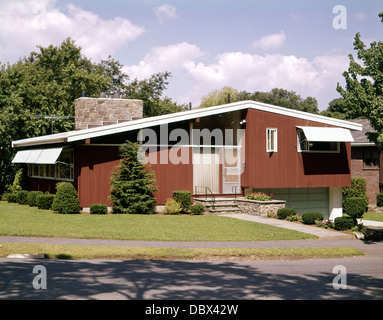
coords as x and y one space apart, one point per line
165 12
244 71
360 16
170 58
26 24
270 42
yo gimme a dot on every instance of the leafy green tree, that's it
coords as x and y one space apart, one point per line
132 183
219 97
150 91
278 97
364 85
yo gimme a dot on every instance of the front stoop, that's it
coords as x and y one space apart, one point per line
219 205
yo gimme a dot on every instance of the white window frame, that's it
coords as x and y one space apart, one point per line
57 174
307 143
271 134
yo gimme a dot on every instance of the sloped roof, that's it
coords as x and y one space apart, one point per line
360 136
79 135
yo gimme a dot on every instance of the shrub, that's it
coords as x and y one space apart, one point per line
283 213
197 208
344 223
183 198
18 182
31 199
260 196
66 199
357 189
44 201
172 207
355 206
379 199
311 217
98 208
12 198
22 197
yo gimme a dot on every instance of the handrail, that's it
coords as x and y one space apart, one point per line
235 190
207 189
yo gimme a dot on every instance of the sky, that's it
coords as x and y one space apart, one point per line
252 45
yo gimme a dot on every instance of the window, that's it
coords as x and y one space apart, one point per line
271 140
317 146
371 158
63 169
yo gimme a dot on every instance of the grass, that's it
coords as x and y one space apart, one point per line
22 220
134 253
373 216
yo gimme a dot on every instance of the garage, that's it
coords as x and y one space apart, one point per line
303 199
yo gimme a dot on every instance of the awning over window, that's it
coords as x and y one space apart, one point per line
39 156
325 134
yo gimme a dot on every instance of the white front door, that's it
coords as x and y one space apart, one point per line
231 170
206 169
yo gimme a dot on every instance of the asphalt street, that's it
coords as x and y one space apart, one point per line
193 280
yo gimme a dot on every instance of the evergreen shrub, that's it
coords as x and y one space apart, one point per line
66 199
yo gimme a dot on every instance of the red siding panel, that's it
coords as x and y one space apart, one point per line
288 168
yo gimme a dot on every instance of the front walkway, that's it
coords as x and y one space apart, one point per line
319 232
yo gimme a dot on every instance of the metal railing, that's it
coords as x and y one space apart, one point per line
235 191
206 192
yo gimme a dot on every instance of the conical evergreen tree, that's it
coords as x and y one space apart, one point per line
132 183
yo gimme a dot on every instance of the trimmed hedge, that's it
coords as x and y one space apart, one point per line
344 223
379 199
183 197
283 213
358 188
355 206
66 199
22 197
12 198
98 208
172 207
44 201
31 199
310 217
197 208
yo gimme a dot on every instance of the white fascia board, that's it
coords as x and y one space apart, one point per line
48 139
198 113
77 135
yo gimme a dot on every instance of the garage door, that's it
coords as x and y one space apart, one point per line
303 199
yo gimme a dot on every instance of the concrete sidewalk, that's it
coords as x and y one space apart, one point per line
319 232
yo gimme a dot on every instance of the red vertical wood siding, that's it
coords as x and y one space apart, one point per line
94 173
171 177
288 168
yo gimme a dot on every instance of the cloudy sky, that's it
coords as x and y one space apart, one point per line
253 45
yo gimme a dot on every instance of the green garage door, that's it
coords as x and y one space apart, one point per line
303 199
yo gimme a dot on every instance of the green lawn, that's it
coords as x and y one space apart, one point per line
134 253
22 220
374 216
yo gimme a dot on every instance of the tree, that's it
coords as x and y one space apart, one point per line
218 97
132 183
150 92
364 86
278 97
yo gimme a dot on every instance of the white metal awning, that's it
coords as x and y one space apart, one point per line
39 156
326 134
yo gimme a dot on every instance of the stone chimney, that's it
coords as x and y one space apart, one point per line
97 112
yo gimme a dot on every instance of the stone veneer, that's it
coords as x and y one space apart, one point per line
259 208
93 112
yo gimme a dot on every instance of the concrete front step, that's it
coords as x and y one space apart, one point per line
220 205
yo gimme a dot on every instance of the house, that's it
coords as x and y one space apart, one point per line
366 162
300 157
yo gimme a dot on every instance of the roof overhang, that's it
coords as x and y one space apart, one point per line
37 156
326 134
78 135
